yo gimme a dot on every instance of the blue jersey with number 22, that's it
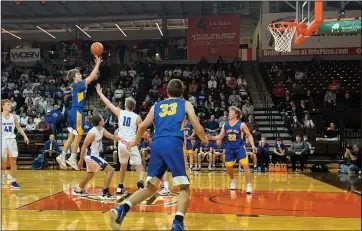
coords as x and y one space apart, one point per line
169 116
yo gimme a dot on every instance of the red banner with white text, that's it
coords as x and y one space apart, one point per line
314 51
213 36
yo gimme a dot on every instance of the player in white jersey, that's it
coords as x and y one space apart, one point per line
8 140
94 162
128 122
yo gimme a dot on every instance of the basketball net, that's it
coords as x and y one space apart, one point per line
283 33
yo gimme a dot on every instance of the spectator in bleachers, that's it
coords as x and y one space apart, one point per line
295 122
51 146
248 109
177 72
263 152
156 81
37 119
193 100
307 121
298 75
162 92
123 72
330 99
132 72
309 143
27 91
353 160
24 120
13 104
212 84
87 124
331 133
334 85
252 124
186 73
299 151
212 126
279 152
43 127
348 103
119 93
30 127
235 99
128 91
144 109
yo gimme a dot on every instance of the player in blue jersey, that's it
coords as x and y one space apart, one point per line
205 151
188 135
76 114
166 152
234 130
219 152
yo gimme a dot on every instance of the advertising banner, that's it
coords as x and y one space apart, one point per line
213 36
328 27
24 55
340 26
314 51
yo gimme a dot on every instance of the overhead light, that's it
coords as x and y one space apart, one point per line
46 32
120 29
159 29
10 33
83 31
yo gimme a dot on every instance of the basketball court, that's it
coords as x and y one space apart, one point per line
279 201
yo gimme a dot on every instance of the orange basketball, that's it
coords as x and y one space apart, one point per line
97 48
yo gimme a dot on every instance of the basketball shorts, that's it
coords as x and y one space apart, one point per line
188 147
11 146
167 152
238 154
124 154
95 163
76 121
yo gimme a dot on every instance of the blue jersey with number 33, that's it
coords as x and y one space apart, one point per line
169 116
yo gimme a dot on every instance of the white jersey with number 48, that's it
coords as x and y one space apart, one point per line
8 127
127 125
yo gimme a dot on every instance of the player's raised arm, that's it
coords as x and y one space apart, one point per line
21 130
106 101
245 129
220 136
87 141
94 73
195 122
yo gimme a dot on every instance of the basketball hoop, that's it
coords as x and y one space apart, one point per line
283 33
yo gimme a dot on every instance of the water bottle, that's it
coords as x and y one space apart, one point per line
259 169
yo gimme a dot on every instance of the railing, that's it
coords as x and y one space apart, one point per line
259 81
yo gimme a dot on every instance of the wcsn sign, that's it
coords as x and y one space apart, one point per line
25 55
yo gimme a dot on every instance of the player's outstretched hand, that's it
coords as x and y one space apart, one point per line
131 144
205 140
98 88
255 150
98 59
80 163
26 140
209 137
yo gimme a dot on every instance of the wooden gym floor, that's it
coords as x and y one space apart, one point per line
279 202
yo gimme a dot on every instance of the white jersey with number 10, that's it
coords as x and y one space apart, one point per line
127 125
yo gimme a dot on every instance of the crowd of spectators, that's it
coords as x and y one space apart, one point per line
40 95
